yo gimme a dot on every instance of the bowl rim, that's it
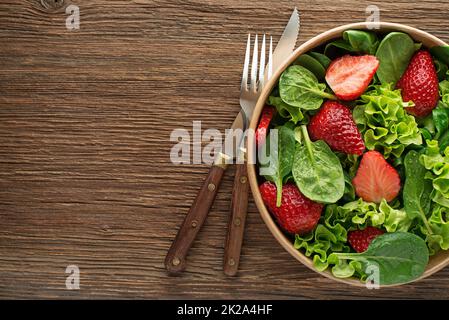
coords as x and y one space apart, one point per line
436 262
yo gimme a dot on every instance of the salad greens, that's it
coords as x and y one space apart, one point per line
312 64
353 41
394 54
384 123
280 161
300 88
399 257
417 189
417 221
317 171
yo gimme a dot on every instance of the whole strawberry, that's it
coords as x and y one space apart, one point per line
419 84
360 239
334 124
297 214
264 123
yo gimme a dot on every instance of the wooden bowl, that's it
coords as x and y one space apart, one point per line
437 261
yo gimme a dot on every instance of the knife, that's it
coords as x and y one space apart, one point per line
239 199
175 261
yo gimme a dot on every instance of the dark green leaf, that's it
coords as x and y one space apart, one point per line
361 41
317 171
311 64
398 257
394 54
417 189
300 88
441 69
441 53
324 60
280 160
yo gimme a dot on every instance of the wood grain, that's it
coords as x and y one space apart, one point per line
85 123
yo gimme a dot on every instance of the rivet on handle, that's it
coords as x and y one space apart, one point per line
194 224
231 262
175 261
243 179
211 187
237 221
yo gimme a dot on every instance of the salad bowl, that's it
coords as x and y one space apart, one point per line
437 261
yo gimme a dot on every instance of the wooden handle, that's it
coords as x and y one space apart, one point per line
175 261
236 226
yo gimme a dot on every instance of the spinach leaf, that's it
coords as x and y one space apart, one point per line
311 64
285 110
317 171
279 163
361 41
353 41
441 69
394 53
300 88
417 189
443 141
324 60
399 257
441 53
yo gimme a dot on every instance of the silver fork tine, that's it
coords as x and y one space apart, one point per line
270 59
262 64
244 85
253 84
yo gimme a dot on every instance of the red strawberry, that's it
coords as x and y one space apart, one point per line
360 239
334 124
264 123
297 214
376 179
419 83
349 76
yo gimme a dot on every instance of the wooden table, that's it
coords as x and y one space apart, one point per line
85 122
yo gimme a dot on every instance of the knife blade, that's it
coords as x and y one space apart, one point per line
240 191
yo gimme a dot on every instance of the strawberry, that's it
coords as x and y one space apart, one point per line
376 179
297 214
264 123
334 124
349 76
419 84
360 239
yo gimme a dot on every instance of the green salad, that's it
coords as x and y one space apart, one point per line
356 170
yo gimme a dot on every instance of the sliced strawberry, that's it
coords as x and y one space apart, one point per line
334 124
361 239
265 119
376 179
419 84
349 76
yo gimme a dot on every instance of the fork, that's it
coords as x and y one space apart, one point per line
248 99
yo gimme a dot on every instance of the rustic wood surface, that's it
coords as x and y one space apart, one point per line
85 123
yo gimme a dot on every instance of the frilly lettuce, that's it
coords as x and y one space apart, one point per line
438 166
444 91
439 224
383 121
331 233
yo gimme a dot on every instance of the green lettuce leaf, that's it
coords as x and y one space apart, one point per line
331 233
384 123
439 224
438 166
